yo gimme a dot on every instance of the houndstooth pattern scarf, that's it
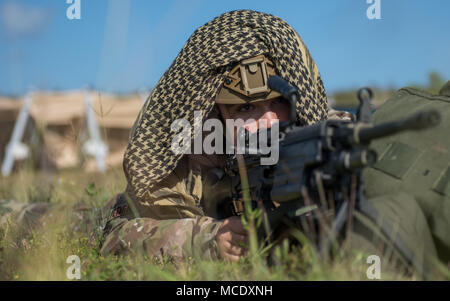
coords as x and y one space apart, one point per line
196 76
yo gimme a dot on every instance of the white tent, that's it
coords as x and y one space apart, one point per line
62 122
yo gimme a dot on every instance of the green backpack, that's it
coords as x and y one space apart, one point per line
408 189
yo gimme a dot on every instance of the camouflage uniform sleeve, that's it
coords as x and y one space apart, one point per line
172 238
168 222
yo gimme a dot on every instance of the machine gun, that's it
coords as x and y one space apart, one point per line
318 175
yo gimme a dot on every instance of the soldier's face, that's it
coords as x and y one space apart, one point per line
260 114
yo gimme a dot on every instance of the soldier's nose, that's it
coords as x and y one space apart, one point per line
265 121
268 119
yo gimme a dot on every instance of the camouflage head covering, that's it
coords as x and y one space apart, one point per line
197 75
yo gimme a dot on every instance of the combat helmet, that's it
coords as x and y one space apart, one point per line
247 82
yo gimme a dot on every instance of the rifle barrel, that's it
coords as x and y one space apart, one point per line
421 120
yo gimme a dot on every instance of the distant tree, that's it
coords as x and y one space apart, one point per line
347 98
435 82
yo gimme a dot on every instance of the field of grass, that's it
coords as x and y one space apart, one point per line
42 255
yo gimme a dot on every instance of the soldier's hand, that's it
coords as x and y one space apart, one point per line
232 239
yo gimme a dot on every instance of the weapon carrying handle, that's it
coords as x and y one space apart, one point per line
364 96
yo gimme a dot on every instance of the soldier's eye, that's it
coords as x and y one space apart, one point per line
279 100
244 108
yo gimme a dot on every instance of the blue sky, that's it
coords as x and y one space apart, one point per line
126 45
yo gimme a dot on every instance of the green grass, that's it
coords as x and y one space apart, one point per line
42 255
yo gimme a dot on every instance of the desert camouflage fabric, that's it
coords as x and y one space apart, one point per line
25 219
25 216
171 224
173 239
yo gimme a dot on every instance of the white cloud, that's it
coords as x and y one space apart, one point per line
22 20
